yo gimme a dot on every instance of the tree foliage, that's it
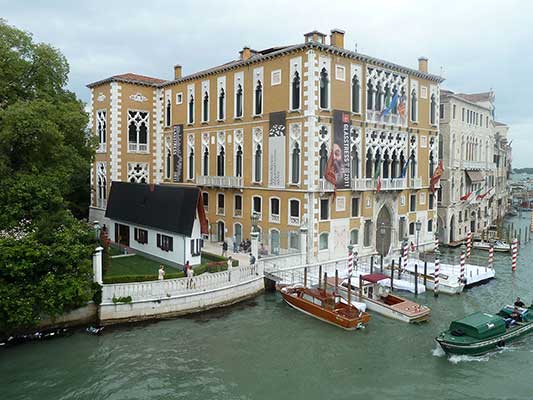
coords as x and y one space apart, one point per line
45 156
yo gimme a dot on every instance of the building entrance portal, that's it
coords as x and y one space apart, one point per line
383 231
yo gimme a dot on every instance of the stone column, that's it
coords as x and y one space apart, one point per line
97 265
255 245
303 245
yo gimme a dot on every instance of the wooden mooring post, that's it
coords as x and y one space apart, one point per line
325 281
371 264
392 276
400 267
381 264
425 274
336 281
305 277
320 276
416 279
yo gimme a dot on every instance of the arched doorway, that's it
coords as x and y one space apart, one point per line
274 241
238 233
452 229
220 231
383 231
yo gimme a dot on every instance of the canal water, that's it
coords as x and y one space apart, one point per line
263 349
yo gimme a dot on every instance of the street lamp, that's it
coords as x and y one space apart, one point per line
418 226
254 218
96 226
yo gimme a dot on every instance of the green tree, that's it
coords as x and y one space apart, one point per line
45 156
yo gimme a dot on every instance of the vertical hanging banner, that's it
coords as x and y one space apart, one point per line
342 126
177 153
276 150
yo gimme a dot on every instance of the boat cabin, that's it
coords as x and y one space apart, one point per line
479 326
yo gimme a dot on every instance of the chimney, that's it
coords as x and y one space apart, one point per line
423 64
245 53
337 38
177 71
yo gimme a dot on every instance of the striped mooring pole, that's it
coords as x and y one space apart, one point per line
436 243
462 262
350 260
514 253
405 255
491 256
437 273
468 244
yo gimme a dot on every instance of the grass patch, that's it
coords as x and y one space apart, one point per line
137 265
114 251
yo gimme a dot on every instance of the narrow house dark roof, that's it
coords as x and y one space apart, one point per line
165 207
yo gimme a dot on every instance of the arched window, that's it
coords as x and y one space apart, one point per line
354 236
238 162
433 110
431 164
379 104
191 110
168 165
394 165
205 115
355 162
168 113
356 89
295 164
205 200
413 165
259 98
323 159
257 163
205 163
402 166
377 163
368 165
191 164
323 241
221 107
238 102
386 163
369 96
413 106
295 92
220 161
324 87
220 203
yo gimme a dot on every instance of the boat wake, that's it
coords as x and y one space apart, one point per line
456 359
438 352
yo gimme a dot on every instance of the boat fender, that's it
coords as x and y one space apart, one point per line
501 343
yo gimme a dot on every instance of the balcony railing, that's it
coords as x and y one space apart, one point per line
363 184
220 181
237 213
325 186
220 210
294 220
138 147
474 164
415 183
393 184
274 218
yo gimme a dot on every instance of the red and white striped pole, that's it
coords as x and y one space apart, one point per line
468 244
514 253
491 256
437 273
436 243
462 261
350 260
405 255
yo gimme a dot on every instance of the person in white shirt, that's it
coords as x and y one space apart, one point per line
161 272
230 265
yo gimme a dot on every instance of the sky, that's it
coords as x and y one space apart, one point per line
475 45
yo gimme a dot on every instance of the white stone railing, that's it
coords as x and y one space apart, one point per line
325 186
274 218
220 181
393 184
415 183
363 184
158 290
474 164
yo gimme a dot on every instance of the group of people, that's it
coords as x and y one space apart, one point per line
189 273
245 246
516 314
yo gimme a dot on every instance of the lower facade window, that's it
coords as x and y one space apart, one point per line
196 247
164 242
323 241
367 238
354 236
141 235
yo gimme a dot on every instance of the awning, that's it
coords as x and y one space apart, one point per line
475 176
374 278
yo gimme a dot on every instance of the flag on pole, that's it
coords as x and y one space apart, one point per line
466 196
404 169
401 106
436 177
390 105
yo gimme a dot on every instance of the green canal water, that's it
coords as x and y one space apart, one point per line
263 349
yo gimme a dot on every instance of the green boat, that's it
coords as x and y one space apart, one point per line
480 332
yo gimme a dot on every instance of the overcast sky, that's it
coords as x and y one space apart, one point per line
477 45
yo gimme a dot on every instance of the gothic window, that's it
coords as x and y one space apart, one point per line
413 165
101 130
191 164
356 89
355 162
386 163
323 159
394 165
431 164
220 162
370 96
295 164
205 164
413 106
258 98
191 109
167 120
377 163
324 87
221 106
238 162
238 102
378 104
257 163
402 165
138 172
101 185
205 108
137 131
368 166
295 92
168 164
433 109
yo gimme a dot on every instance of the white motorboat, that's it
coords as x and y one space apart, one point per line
499 246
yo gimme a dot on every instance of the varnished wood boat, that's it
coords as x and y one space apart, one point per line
328 307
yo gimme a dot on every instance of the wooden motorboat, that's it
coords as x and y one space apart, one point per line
328 307
480 332
379 299
499 246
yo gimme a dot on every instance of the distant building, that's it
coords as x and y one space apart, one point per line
255 135
161 221
474 192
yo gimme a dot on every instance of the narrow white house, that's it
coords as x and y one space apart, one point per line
164 222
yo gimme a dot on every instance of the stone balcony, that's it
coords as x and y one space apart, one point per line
415 183
474 165
220 181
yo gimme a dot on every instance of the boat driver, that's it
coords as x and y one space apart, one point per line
519 303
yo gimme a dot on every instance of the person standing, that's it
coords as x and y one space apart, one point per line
252 264
230 266
224 248
235 245
161 274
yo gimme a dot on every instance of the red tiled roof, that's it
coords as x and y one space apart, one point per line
475 97
142 78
